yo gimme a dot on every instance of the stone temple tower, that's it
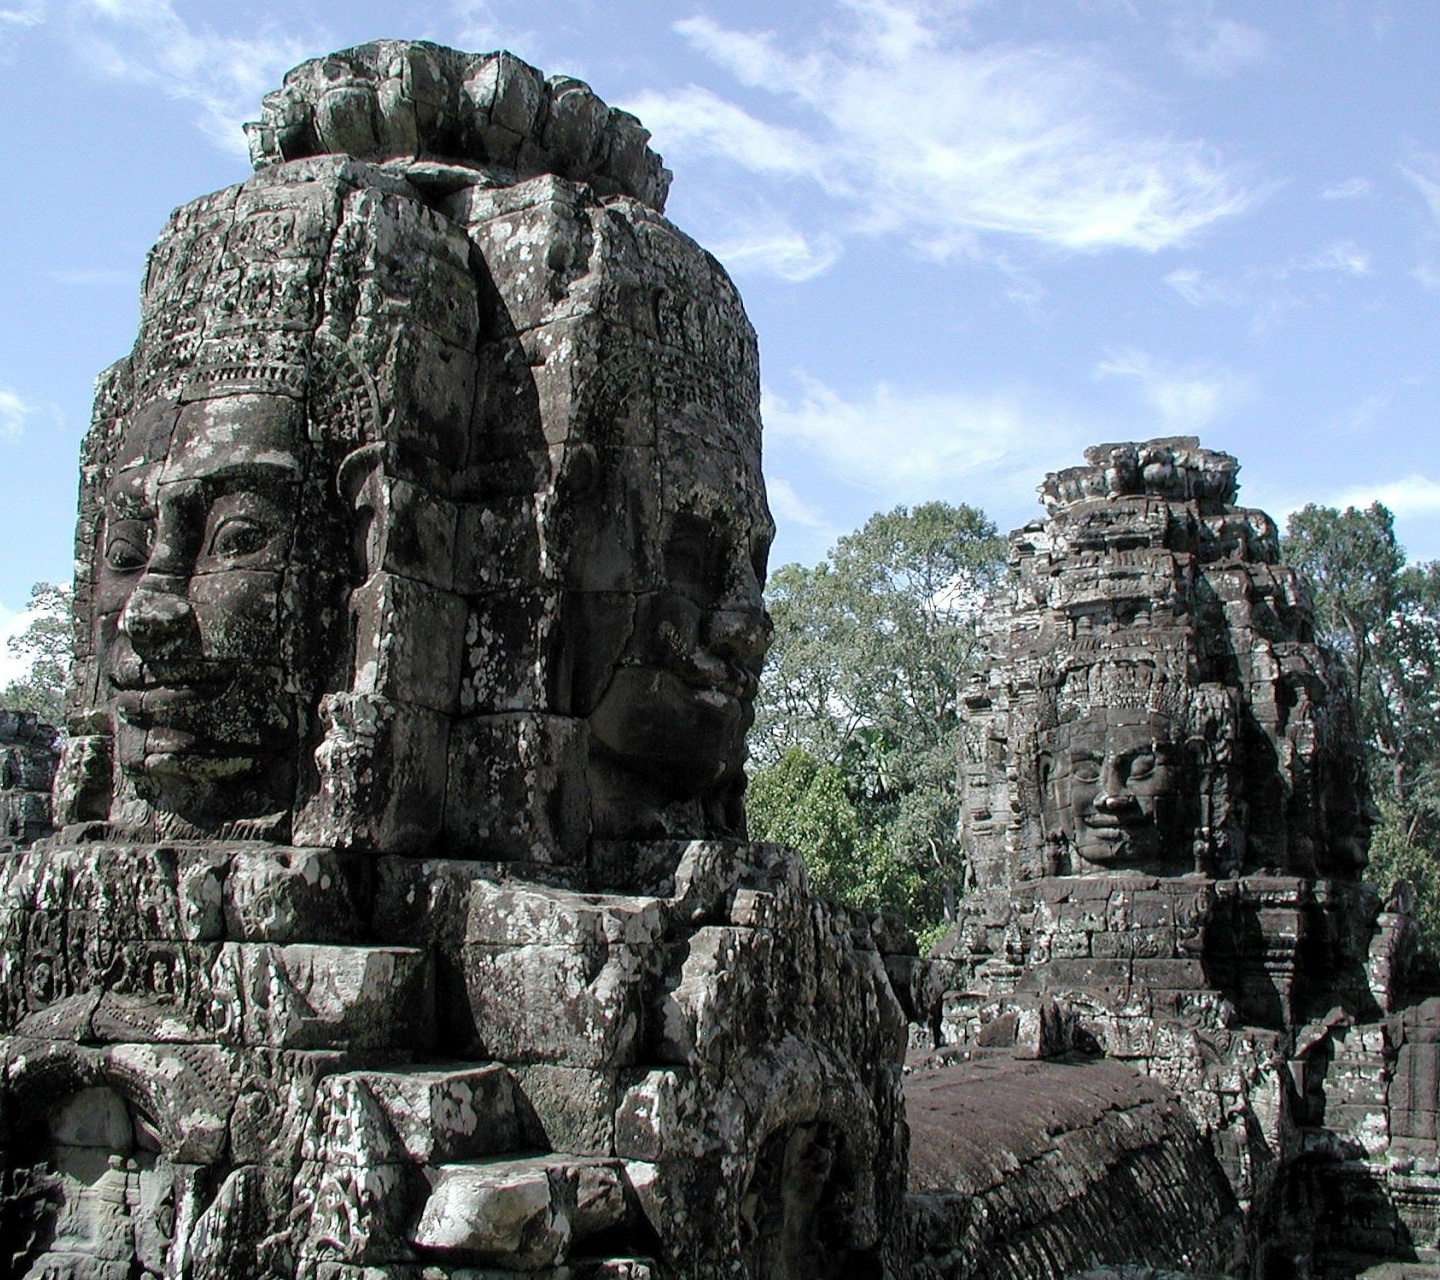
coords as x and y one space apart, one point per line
1165 811
401 922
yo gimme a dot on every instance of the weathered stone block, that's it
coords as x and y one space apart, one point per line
509 652
443 1115
411 532
381 776
574 1108
519 1212
305 997
517 788
284 895
407 642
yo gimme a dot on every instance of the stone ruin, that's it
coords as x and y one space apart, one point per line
1165 814
401 922
29 751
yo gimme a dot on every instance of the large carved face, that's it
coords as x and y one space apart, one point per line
1112 789
199 522
679 698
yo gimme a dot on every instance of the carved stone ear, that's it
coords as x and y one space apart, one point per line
580 472
355 482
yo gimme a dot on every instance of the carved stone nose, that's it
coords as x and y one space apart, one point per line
1115 800
157 621
738 634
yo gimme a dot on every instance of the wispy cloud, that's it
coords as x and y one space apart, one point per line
1344 256
149 42
18 17
1360 415
475 25
1423 170
1212 46
907 446
769 243
789 507
1350 189
1414 495
1271 290
910 131
1185 397
711 125
13 412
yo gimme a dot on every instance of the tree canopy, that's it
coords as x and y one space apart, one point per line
46 645
1383 618
860 697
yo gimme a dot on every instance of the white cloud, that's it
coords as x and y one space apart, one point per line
1271 290
1344 256
29 14
1211 46
13 412
707 124
772 245
1200 290
1414 495
909 445
1187 397
912 132
149 42
477 29
790 508
1350 189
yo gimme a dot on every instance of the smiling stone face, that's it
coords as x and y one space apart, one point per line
1113 790
199 520
678 706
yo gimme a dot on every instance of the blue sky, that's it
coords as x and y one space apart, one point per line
974 235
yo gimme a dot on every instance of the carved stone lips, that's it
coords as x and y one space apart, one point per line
142 697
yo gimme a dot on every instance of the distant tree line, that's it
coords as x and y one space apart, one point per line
857 721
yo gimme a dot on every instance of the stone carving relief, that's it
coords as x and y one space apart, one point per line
325 447
401 922
29 750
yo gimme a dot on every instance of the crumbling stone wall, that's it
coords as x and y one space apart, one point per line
29 750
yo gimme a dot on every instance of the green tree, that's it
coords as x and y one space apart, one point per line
863 677
1384 621
46 645
803 803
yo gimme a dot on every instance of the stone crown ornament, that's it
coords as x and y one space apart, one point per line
396 98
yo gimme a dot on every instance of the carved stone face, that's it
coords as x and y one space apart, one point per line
195 548
1112 789
680 697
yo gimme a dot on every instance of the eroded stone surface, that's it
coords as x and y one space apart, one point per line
29 752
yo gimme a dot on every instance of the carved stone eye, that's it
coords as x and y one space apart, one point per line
1087 770
236 537
1142 765
128 547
